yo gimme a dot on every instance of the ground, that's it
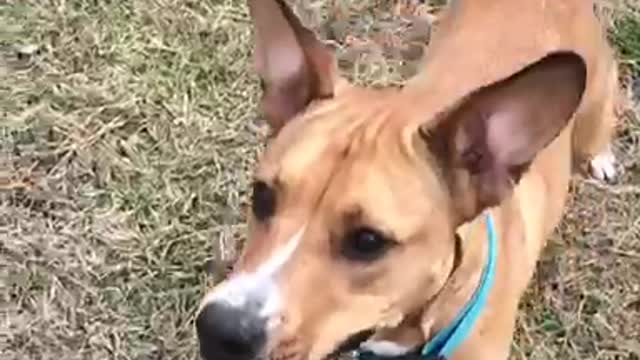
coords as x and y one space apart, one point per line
128 134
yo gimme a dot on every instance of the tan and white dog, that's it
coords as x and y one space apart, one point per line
366 227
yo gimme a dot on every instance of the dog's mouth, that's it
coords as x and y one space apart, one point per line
350 349
347 348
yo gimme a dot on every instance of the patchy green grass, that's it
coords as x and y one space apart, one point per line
626 36
127 140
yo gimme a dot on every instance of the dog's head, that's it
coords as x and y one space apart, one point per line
357 197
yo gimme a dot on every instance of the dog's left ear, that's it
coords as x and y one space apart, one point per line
294 66
490 138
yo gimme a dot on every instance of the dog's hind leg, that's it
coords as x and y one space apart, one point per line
596 124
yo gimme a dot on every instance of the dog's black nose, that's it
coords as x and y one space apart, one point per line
227 333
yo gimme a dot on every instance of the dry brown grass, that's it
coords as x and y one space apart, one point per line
128 136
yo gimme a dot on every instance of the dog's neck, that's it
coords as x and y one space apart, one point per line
464 280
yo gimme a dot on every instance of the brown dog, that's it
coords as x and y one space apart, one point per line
367 205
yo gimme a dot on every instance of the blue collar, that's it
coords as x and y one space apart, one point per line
449 339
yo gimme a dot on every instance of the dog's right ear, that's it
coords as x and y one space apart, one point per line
490 138
294 66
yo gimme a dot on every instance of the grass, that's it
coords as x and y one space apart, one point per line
626 36
128 135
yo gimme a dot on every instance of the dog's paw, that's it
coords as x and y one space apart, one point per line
603 166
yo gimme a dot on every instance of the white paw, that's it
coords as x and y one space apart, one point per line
384 348
603 166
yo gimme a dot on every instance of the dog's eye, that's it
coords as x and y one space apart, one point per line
263 201
365 244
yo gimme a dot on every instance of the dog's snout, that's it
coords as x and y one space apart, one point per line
230 333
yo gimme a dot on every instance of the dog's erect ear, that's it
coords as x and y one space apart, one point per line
294 66
491 137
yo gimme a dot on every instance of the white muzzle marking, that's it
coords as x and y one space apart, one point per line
257 291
